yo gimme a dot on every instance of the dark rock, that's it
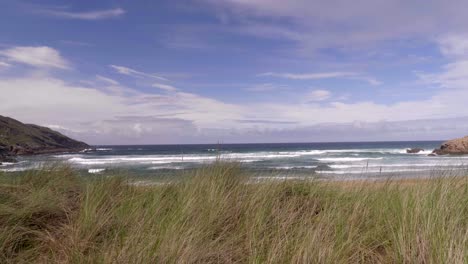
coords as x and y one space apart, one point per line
7 158
414 150
5 155
432 155
457 146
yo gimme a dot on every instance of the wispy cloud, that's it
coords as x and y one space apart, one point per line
308 76
95 112
371 80
317 95
42 56
323 75
265 87
88 15
4 65
165 87
320 24
454 45
107 80
454 75
268 122
131 72
76 43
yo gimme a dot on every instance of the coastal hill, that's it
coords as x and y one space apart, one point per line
17 138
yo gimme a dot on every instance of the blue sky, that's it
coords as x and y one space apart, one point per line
203 71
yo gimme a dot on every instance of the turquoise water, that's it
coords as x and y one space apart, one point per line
351 160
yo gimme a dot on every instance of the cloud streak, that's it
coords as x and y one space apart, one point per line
40 56
107 80
88 15
322 75
311 27
317 95
259 121
132 72
308 76
4 65
265 87
146 116
164 87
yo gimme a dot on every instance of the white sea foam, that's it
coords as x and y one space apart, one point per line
346 159
242 157
342 166
166 168
424 152
377 151
86 150
103 149
164 159
365 171
65 156
17 169
293 167
140 159
250 160
262 155
96 171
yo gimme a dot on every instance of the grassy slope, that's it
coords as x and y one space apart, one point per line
215 216
13 132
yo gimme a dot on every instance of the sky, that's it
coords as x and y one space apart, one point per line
236 71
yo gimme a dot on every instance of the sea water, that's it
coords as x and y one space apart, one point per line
326 160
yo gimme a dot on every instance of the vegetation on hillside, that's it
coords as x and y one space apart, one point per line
33 137
217 214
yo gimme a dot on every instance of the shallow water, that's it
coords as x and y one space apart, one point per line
348 160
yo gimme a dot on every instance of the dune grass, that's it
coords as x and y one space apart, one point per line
218 215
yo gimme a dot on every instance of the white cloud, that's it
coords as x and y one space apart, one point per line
341 24
454 45
4 65
76 43
93 115
89 15
165 87
454 75
371 80
317 95
41 56
131 72
97 116
266 87
309 76
323 75
107 80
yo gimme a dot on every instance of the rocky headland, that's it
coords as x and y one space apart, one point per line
18 139
457 146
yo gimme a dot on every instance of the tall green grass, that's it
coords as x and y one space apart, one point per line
217 214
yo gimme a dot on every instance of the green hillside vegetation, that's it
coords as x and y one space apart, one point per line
217 214
34 138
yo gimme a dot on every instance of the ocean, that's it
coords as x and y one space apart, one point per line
347 160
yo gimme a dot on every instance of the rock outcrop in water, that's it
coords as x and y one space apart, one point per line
17 138
414 150
457 146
